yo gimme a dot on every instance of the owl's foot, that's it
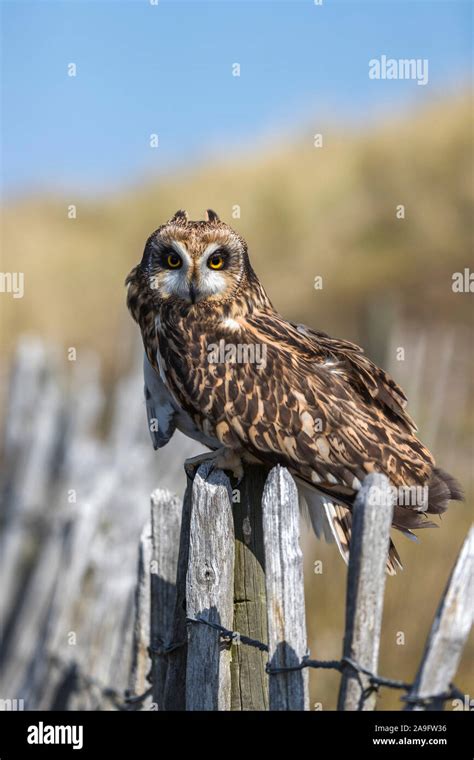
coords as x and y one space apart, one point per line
221 459
228 459
192 465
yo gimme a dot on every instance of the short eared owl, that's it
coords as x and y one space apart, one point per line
292 396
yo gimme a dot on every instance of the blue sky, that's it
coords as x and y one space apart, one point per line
167 69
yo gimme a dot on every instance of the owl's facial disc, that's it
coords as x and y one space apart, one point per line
190 266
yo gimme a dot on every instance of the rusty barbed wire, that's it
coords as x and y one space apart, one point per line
375 681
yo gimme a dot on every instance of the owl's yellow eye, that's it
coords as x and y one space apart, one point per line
173 261
216 261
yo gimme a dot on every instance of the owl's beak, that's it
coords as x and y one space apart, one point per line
192 292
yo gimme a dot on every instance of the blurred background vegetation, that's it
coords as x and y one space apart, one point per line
305 212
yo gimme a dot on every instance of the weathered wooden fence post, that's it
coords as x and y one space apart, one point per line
165 528
285 592
371 521
174 692
141 627
448 633
209 591
249 679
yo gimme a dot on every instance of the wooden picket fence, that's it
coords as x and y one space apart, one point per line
215 619
220 602
77 469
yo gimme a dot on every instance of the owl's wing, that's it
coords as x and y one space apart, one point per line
160 412
320 407
364 376
329 418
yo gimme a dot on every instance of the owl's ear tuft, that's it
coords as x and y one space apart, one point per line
212 216
180 216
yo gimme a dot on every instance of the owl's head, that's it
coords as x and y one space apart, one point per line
195 261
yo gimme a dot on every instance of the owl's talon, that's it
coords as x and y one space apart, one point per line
222 459
192 465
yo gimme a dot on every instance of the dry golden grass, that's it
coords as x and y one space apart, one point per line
305 212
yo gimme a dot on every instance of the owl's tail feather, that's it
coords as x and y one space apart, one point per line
442 488
333 522
340 518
